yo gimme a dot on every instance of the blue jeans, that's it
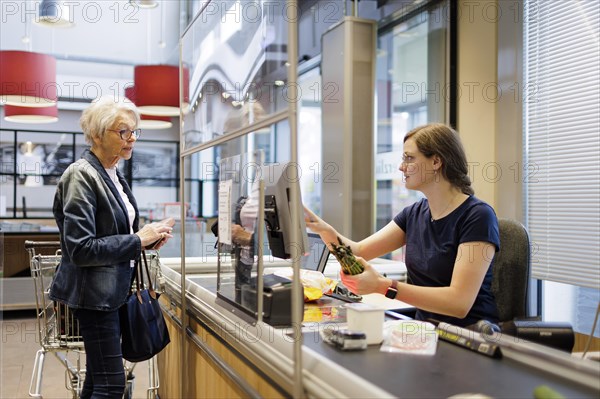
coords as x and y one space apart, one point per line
101 332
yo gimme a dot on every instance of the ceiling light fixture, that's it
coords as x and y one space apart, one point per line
157 90
30 115
148 121
54 14
27 79
155 122
144 3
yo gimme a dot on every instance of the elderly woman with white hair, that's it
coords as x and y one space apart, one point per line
98 219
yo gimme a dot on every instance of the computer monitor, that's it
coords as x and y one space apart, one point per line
317 256
278 212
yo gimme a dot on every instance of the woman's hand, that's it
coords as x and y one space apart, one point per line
366 282
240 236
328 234
314 222
155 235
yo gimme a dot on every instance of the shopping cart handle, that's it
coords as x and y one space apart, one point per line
41 244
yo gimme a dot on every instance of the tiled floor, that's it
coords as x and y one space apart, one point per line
19 345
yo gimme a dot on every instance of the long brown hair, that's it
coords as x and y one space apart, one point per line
443 141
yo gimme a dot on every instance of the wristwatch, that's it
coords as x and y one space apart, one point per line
392 290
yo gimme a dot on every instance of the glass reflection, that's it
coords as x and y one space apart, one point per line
239 178
236 53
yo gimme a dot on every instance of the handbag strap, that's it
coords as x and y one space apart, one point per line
139 277
150 288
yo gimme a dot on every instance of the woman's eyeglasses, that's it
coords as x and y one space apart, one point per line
126 133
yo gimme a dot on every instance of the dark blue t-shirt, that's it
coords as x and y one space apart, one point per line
432 249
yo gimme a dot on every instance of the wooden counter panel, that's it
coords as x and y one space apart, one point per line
168 364
203 377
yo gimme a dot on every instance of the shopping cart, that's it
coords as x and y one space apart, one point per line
58 329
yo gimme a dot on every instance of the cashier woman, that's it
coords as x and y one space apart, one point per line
450 236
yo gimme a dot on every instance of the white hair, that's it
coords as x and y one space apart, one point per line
102 114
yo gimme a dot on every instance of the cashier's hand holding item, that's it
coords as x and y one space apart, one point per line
366 282
156 234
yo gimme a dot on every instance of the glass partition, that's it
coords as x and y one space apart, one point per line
239 204
234 59
238 73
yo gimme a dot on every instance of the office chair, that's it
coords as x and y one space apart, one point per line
510 284
511 271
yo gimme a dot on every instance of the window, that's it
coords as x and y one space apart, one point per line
31 165
154 176
562 115
309 146
411 82
32 162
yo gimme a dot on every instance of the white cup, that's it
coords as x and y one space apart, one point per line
366 318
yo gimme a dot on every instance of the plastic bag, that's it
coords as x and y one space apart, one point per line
315 283
409 336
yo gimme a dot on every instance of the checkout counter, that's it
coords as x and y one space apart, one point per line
227 356
222 353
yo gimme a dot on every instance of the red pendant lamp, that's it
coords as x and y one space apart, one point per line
27 79
155 122
157 89
149 121
30 114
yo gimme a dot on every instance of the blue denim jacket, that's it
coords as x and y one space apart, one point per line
97 247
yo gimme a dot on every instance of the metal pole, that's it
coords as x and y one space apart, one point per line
259 237
184 319
297 293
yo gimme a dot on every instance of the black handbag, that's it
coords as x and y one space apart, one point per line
143 329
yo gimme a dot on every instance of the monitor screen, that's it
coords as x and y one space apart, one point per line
317 256
279 180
